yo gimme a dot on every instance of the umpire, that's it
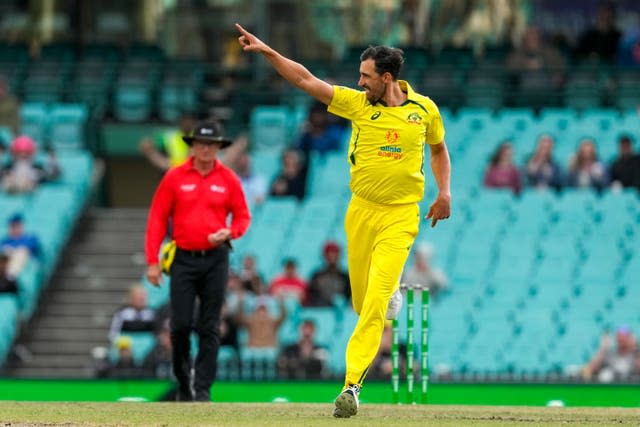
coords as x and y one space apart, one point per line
198 196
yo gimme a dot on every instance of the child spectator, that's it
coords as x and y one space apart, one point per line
24 173
501 172
19 245
541 170
585 170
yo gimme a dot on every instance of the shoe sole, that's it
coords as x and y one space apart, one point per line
345 406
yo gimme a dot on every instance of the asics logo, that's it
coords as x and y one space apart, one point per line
375 115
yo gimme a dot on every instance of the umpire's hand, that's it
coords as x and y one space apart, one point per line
154 275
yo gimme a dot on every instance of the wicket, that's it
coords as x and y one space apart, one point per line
424 347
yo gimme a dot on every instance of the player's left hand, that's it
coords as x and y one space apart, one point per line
219 236
440 209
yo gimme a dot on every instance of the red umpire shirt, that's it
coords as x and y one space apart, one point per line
199 205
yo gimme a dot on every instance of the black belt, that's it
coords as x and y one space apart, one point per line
198 253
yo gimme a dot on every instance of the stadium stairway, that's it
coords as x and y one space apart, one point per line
104 258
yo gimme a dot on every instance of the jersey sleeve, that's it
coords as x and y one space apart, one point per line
435 131
346 102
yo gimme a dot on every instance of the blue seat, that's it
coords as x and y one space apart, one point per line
269 126
324 319
67 126
34 118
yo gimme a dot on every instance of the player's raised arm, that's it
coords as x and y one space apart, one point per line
293 72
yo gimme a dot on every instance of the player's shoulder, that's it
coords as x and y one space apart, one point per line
426 103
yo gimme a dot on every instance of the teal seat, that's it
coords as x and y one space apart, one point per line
176 97
269 127
132 102
67 126
34 118
141 344
325 321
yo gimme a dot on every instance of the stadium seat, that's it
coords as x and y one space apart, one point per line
35 121
67 125
269 127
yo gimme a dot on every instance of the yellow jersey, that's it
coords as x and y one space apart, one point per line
386 149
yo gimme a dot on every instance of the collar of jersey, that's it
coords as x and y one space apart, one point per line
406 88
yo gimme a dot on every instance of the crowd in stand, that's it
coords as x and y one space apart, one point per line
584 170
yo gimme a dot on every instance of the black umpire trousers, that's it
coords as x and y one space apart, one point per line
201 274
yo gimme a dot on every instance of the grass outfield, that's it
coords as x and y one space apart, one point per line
301 414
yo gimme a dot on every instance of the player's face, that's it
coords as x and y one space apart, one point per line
373 83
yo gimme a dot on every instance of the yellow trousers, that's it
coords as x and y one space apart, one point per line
379 238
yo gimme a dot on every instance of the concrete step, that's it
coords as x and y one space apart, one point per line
57 347
100 311
80 335
72 322
98 284
103 297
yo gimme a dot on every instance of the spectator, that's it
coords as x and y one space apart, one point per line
167 148
381 367
615 364
629 47
136 316
250 277
157 364
8 283
319 135
125 366
422 273
253 183
24 173
291 181
625 169
502 173
20 246
289 283
542 171
535 55
329 281
600 41
305 359
585 170
9 108
262 327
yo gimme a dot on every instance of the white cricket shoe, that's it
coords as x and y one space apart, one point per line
347 403
395 305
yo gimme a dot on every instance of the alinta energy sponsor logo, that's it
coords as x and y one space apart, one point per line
390 151
218 189
414 119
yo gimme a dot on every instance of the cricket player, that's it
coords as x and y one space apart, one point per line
391 123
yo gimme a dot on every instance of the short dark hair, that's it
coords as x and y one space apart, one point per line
386 59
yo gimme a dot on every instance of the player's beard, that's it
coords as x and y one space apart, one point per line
373 99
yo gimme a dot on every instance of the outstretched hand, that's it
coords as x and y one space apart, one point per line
440 209
249 42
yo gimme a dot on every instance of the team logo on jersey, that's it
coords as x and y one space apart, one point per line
414 119
392 136
217 189
375 115
188 187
